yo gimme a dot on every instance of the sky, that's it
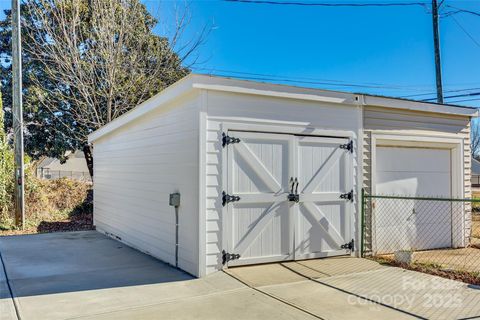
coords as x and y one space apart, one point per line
388 50
378 50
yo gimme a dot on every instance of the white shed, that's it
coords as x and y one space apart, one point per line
267 172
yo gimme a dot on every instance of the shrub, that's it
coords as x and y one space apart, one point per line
44 199
6 172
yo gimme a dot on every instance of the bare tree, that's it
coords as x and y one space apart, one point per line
100 58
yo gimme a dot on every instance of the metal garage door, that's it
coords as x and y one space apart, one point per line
261 222
413 172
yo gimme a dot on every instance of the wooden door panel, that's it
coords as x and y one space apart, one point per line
260 223
324 218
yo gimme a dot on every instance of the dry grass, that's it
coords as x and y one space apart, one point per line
476 226
53 205
434 269
476 221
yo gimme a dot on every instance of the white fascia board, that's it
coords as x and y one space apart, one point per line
273 90
167 95
205 82
393 103
339 99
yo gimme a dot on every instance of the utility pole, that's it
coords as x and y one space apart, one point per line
436 45
17 111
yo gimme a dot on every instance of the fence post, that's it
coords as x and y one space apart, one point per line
362 223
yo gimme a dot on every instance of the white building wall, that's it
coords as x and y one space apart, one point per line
255 110
177 148
136 168
414 123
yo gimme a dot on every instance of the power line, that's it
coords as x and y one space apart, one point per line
214 71
465 100
352 85
326 4
465 31
460 10
347 85
471 94
323 81
432 93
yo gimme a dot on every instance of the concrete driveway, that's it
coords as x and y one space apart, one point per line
86 275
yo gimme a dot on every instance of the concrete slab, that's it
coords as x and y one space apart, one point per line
7 308
294 271
89 276
329 303
63 275
92 302
265 275
243 304
72 252
320 268
287 281
352 288
421 294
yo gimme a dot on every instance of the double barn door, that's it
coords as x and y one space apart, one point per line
287 197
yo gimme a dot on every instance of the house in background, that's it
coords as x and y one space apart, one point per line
75 167
475 173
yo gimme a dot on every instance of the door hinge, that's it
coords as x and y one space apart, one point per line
226 198
229 256
349 246
226 140
347 196
347 146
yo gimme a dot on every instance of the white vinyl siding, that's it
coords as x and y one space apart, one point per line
136 168
172 143
415 123
224 107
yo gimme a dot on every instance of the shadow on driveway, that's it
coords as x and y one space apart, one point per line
78 261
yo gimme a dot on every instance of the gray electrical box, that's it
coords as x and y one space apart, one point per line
174 199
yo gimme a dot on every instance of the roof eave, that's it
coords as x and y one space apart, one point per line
212 83
168 94
394 103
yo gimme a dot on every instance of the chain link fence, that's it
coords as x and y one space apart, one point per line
435 235
48 174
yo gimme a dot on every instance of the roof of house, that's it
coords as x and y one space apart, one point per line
207 82
76 162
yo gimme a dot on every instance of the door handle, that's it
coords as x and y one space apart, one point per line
294 196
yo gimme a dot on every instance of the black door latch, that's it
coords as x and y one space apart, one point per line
294 196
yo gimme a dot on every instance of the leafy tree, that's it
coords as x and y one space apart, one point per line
6 171
87 62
